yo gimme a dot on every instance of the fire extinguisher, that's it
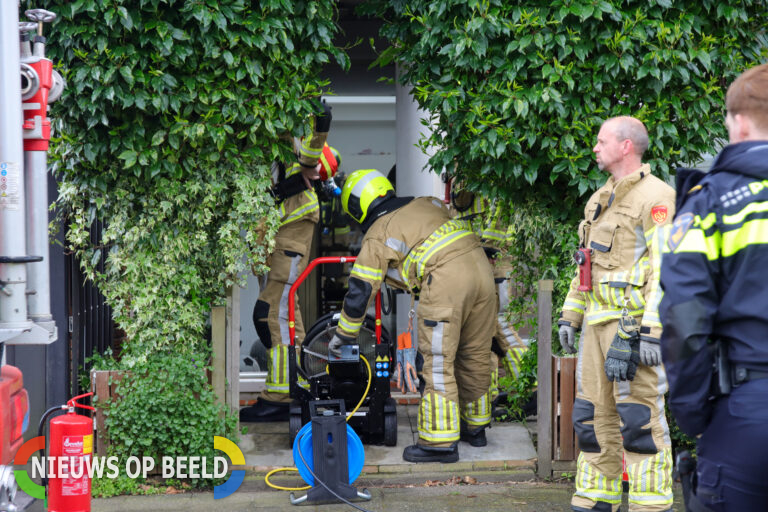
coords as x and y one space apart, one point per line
71 439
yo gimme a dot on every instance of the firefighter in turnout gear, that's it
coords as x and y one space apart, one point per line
415 245
299 214
485 219
714 310
620 381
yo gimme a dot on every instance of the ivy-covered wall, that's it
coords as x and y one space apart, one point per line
165 133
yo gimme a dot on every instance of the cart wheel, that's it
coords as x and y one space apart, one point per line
390 428
294 425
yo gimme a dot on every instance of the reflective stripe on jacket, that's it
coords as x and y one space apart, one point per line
620 227
411 241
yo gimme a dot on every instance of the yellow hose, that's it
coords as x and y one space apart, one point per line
365 394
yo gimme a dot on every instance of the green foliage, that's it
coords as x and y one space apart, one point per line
680 440
166 408
171 118
518 90
520 390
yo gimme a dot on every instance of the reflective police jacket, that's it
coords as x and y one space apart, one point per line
402 246
620 227
712 277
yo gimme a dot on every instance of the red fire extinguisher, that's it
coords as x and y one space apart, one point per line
70 445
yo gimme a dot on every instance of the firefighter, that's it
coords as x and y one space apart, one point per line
416 242
299 213
620 380
714 307
485 218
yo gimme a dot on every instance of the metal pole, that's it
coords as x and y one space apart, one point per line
13 245
38 274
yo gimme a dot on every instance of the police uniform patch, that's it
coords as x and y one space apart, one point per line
659 214
681 226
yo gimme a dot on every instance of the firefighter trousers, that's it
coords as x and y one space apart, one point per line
270 315
615 418
456 321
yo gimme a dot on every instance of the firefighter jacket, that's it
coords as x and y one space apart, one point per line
484 216
402 247
712 278
304 205
620 228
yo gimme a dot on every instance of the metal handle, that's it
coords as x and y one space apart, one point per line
40 15
27 26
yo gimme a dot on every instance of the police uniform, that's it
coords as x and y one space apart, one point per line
621 228
299 214
712 276
486 222
415 242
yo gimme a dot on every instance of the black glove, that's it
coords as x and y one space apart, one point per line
623 356
288 187
323 119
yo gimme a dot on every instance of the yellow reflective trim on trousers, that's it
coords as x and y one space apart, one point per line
366 272
478 413
695 241
650 481
738 218
595 486
753 232
445 428
303 210
277 370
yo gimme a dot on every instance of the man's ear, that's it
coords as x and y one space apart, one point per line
744 126
627 148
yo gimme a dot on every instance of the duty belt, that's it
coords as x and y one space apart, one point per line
740 375
444 236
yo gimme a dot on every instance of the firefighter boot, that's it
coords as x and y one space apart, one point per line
475 437
422 453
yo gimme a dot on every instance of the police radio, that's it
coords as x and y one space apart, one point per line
583 259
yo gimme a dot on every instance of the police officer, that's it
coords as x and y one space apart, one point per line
715 301
416 242
299 213
620 381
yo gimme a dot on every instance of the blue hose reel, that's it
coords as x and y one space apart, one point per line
342 455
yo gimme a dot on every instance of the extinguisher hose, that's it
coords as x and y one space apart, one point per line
41 429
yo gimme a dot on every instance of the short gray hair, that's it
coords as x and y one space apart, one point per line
626 127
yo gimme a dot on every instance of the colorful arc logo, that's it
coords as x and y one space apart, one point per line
23 480
238 475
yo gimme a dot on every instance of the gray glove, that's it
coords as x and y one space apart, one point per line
334 347
650 353
567 335
623 356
